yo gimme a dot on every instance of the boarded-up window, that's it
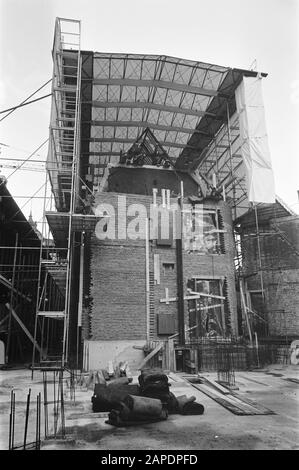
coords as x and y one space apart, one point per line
166 324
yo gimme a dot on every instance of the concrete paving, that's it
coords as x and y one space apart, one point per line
217 428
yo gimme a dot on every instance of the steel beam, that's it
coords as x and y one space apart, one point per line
145 104
155 83
145 124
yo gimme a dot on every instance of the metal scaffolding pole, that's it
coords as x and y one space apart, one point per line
11 298
231 159
80 302
37 303
73 201
259 252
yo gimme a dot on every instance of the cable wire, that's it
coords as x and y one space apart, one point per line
24 104
31 155
12 110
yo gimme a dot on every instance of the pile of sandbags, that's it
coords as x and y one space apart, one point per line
137 410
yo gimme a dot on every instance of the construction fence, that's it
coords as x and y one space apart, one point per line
211 355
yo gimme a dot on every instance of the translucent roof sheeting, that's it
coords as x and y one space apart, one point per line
186 104
183 102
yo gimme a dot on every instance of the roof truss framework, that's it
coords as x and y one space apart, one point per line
184 103
168 95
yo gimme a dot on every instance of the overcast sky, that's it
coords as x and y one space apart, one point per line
233 33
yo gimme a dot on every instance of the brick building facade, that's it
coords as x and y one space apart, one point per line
131 302
273 266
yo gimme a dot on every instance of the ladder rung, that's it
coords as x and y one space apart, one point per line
51 314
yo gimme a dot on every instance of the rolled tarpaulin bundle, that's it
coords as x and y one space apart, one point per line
188 406
144 406
154 388
119 381
107 398
115 418
152 376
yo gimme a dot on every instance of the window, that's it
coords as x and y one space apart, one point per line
168 268
202 231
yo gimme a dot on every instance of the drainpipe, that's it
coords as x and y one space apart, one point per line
180 272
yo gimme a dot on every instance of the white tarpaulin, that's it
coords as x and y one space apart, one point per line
254 141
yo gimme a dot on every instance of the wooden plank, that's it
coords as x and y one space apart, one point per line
51 314
201 294
207 307
26 331
150 355
232 401
4 319
213 383
228 397
8 284
263 409
244 306
222 401
157 268
171 355
100 414
186 297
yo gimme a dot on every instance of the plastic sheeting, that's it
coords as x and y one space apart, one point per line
254 141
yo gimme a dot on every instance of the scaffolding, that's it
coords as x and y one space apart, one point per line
65 112
121 113
62 168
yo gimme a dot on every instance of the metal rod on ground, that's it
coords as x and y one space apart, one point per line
26 418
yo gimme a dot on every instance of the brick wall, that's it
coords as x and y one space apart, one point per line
281 298
118 278
280 272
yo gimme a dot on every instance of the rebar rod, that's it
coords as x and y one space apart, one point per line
45 403
11 422
26 418
62 405
54 405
